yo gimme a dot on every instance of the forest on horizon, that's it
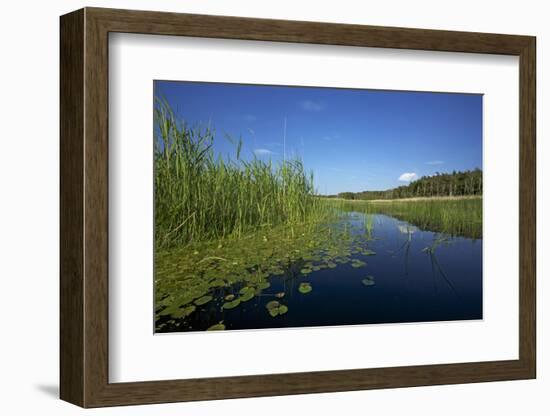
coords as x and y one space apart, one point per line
456 183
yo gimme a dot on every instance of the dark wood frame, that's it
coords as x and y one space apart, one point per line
84 207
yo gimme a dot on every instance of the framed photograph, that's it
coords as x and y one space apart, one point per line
255 207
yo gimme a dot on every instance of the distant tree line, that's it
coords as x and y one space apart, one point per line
469 182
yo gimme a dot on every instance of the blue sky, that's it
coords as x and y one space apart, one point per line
352 140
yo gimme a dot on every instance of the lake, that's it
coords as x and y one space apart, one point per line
373 269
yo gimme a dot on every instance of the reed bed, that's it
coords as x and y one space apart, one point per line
456 217
201 196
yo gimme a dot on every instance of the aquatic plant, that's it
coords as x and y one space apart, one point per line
275 308
455 217
305 288
217 327
368 281
200 196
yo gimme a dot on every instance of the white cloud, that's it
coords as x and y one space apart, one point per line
262 152
408 177
330 137
435 162
309 105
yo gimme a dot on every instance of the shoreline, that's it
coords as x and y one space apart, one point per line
413 199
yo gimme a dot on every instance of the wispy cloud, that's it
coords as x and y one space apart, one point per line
435 162
408 177
331 137
310 105
250 117
263 152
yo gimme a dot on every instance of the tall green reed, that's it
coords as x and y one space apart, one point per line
199 195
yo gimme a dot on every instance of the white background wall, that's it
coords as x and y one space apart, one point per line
29 85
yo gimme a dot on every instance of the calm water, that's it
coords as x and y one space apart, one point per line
411 284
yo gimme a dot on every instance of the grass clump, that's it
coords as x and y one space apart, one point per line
201 196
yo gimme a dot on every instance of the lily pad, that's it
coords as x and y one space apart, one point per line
229 297
217 327
368 281
305 271
357 263
168 311
275 308
283 309
232 304
263 285
272 304
202 300
368 252
305 288
183 312
245 289
247 294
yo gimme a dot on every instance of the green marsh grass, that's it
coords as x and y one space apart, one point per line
202 196
455 217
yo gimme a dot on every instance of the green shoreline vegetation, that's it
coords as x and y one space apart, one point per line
456 216
199 196
224 227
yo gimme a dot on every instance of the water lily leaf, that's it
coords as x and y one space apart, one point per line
217 327
305 271
217 283
202 300
331 265
272 304
248 295
263 285
232 304
305 288
229 297
368 281
368 252
275 308
357 263
183 312
245 290
168 311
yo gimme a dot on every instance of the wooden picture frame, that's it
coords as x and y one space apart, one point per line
84 207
